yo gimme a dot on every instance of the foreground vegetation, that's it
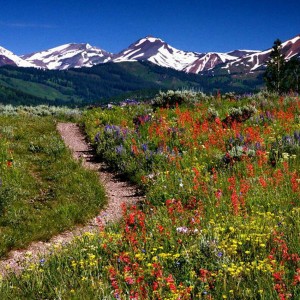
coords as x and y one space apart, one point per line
43 191
221 219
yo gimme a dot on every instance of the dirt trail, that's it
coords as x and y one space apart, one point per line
117 190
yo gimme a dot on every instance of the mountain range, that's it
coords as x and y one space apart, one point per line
150 49
80 74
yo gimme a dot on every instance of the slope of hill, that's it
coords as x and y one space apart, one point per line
105 81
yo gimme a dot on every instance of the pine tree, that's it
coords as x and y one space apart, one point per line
274 75
292 75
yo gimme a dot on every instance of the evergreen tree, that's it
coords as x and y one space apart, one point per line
274 75
292 75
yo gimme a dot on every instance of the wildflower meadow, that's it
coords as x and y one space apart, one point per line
221 219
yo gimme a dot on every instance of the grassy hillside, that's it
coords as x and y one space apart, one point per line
107 82
43 191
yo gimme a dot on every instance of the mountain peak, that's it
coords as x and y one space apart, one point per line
151 38
159 52
73 55
148 39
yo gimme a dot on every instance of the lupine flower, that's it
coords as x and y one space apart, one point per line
182 229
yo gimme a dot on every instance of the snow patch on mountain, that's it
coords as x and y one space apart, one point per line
258 60
69 56
159 52
9 58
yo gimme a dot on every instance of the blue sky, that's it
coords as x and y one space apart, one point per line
195 25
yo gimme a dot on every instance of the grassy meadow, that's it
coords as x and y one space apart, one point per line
43 191
221 220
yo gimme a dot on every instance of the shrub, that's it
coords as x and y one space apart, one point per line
172 98
239 114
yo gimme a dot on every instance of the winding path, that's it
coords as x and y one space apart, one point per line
118 191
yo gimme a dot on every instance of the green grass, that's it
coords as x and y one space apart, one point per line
38 89
44 191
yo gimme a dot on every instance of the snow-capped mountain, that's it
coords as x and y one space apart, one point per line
159 52
68 56
8 58
208 61
257 61
154 50
241 53
212 59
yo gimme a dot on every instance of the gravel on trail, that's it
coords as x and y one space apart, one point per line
118 191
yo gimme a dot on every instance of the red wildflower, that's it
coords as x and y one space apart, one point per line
134 295
155 286
130 219
295 183
231 181
245 186
262 182
171 283
218 121
296 279
203 275
250 170
160 228
129 280
235 202
278 176
218 195
277 276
